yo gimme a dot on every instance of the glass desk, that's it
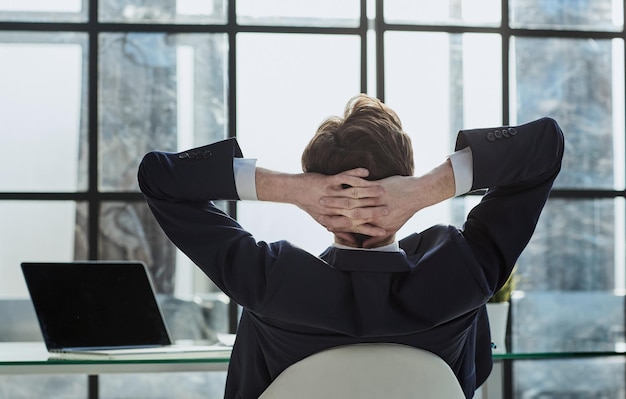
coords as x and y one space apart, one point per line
33 358
498 385
554 355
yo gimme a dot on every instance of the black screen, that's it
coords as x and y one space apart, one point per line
95 304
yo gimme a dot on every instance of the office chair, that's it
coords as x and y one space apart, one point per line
364 371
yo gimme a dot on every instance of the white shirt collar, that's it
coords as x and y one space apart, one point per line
393 247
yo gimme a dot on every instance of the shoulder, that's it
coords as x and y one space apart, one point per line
433 237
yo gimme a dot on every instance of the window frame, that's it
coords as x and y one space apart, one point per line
366 23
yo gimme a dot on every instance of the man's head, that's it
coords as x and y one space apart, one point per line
368 136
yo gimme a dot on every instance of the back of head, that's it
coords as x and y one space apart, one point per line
368 136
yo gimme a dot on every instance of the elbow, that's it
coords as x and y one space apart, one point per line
148 174
553 134
142 173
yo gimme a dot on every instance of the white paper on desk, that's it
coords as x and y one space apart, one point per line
164 352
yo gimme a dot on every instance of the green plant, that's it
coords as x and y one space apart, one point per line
504 293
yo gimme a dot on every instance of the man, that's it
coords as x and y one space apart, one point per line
427 290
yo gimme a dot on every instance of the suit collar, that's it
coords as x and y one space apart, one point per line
411 243
355 260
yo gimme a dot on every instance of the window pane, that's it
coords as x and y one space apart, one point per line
570 379
193 306
447 88
286 86
43 386
43 112
299 13
157 91
466 12
558 14
170 12
128 231
38 231
44 10
579 82
196 385
578 246
567 321
568 279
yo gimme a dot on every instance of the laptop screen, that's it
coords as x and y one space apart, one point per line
95 304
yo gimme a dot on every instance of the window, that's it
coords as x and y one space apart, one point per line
89 86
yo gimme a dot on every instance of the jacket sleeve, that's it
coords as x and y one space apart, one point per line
198 175
517 166
179 189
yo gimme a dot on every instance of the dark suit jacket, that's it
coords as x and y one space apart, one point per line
431 295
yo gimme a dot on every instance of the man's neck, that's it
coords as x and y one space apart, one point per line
393 247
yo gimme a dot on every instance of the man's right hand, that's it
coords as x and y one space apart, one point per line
343 203
396 198
401 197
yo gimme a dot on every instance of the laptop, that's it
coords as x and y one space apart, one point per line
99 309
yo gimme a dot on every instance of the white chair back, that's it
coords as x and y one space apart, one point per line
388 371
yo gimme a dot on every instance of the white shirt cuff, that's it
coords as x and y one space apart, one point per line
245 178
463 168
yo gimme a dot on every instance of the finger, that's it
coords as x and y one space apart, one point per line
357 172
370 230
336 223
358 192
352 180
364 229
336 203
340 224
363 215
347 237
